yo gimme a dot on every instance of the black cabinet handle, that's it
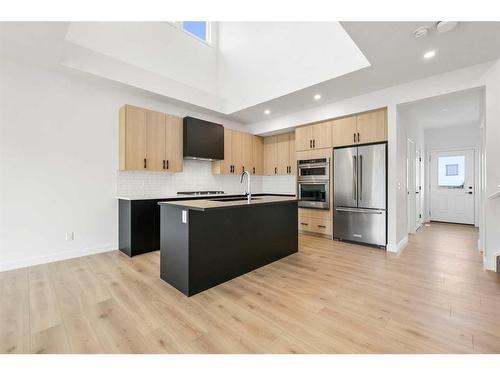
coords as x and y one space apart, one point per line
314 143
275 170
145 163
253 170
163 164
358 137
354 136
322 226
167 165
304 224
310 143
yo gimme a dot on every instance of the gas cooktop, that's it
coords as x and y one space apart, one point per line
208 192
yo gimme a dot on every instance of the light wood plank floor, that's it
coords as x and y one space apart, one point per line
331 297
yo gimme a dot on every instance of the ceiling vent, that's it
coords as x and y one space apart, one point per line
421 32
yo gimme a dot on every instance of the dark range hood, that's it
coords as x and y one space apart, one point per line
203 139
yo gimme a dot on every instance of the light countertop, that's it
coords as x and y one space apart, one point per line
207 204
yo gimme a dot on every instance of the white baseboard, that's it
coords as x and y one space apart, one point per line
54 257
399 246
491 265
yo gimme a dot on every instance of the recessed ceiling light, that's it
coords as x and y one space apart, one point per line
317 97
429 54
267 111
445 26
444 110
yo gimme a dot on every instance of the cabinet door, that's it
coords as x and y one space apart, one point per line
225 166
372 126
283 148
303 138
135 138
270 156
344 131
173 144
322 135
257 155
237 150
247 152
292 159
155 141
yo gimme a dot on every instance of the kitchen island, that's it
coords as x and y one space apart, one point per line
206 242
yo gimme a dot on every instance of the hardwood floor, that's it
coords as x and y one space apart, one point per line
434 297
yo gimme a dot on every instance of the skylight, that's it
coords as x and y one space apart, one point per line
199 29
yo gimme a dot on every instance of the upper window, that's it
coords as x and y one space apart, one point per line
200 29
451 171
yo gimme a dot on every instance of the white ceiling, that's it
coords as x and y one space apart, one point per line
463 108
395 57
307 58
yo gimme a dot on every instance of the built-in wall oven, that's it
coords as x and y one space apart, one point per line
313 183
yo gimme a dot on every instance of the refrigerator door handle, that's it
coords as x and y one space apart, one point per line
360 179
360 211
354 173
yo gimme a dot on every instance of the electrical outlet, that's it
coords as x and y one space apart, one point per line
70 236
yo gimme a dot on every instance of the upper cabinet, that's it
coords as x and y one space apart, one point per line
372 126
367 127
149 140
279 154
242 152
257 155
314 136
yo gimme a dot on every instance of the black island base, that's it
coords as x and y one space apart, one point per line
207 242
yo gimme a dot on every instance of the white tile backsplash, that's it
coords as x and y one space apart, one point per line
196 175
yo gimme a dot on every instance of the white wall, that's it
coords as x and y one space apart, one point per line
59 161
487 75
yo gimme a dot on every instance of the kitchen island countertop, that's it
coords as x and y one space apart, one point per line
220 203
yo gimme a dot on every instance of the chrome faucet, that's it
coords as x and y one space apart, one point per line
248 193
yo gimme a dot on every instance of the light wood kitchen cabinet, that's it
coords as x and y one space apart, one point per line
344 131
292 158
372 127
237 151
155 141
257 155
283 156
364 128
314 136
225 166
133 132
271 155
247 147
149 140
173 144
278 158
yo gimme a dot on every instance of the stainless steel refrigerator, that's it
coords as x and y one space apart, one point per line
360 194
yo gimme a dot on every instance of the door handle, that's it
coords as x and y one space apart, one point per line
168 165
358 137
354 137
354 173
314 143
145 163
310 143
360 180
163 164
275 170
469 192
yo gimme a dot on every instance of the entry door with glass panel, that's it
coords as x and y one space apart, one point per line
452 177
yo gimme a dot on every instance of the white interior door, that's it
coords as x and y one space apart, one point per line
452 181
418 190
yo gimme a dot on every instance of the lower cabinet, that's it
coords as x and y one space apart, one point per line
139 226
316 221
